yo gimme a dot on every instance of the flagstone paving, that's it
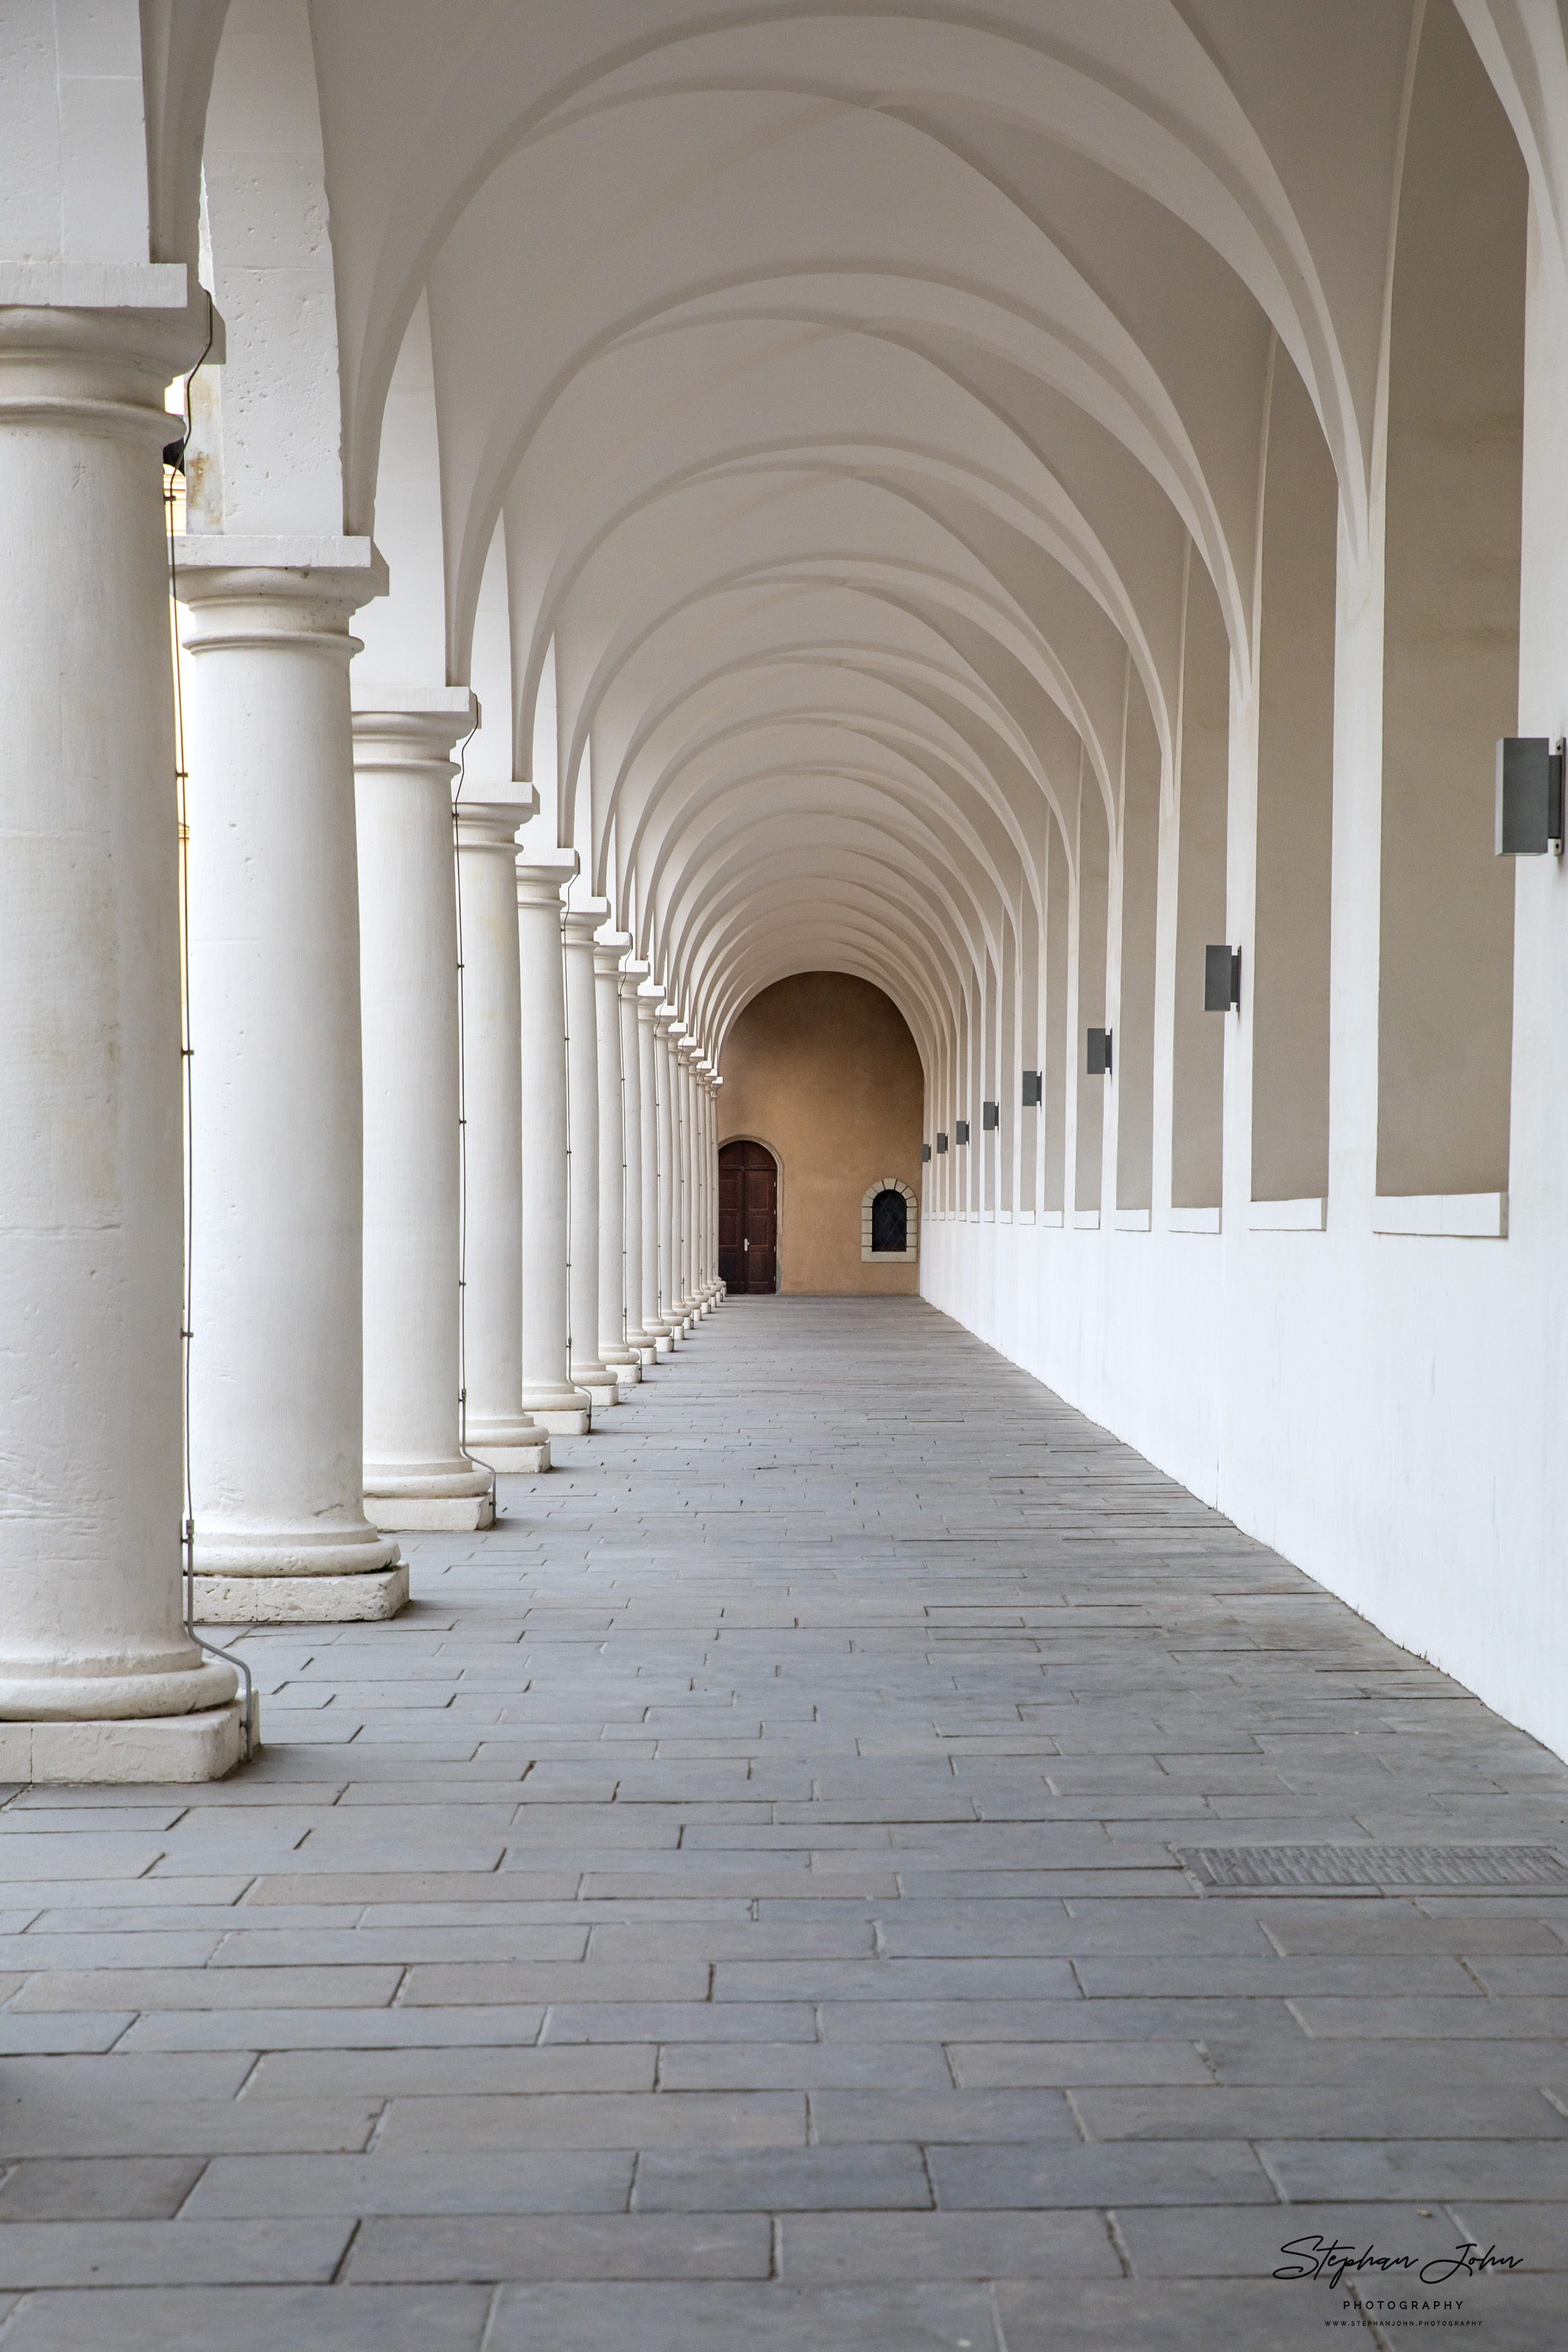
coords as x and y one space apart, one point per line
734 1909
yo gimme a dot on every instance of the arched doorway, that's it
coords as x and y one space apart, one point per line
748 1218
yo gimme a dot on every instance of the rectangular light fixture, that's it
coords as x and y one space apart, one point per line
990 1115
1033 1089
925 1153
1222 979
941 1140
1529 796
1097 1064
961 1130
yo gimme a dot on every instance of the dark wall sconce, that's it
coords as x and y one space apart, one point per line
1529 796
1033 1089
941 1140
1097 1064
961 1130
1222 979
925 1153
990 1115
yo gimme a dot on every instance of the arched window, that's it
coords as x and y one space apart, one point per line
889 1222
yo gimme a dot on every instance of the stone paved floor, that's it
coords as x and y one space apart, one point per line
734 1910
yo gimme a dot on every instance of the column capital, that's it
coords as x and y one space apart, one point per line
688 1051
410 727
581 920
633 975
95 343
609 947
490 825
541 876
667 1019
243 590
651 1000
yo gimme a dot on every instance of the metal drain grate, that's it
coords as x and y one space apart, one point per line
1286 1869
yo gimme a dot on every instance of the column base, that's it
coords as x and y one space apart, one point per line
410 1513
532 1460
626 1364
124 1750
562 1409
300 1600
455 1493
650 1354
603 1392
263 1555
664 1346
506 1442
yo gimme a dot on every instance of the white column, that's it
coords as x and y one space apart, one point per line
495 1426
547 1390
650 997
415 1473
638 1336
705 1075
684 1102
277 1218
623 1360
589 1371
718 1288
666 1020
99 1679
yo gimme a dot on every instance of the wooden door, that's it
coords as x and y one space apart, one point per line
748 1217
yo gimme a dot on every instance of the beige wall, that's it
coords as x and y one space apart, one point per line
822 1068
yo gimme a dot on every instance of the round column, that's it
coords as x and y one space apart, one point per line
589 1372
718 1288
650 996
495 1426
666 1020
639 1338
99 1679
547 1392
415 1473
685 1099
705 1180
277 1218
614 1350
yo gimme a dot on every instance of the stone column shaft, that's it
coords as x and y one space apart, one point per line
655 1323
638 1336
685 1096
416 1474
664 1020
614 1349
548 1392
277 1221
99 1679
589 1371
495 1426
